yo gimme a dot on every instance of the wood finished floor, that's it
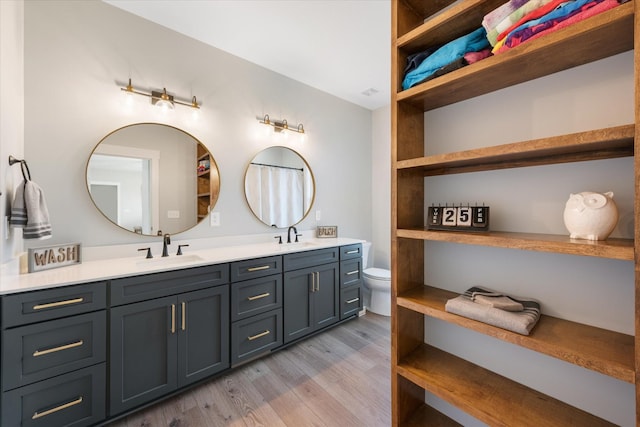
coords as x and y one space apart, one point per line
339 378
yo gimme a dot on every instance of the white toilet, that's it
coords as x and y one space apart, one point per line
377 282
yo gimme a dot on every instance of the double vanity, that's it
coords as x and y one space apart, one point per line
92 342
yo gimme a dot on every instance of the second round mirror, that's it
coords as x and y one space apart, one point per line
279 187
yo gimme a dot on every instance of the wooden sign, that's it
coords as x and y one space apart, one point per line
327 231
53 257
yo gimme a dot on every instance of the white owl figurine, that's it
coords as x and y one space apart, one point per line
591 216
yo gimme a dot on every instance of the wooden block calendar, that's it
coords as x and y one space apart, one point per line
458 218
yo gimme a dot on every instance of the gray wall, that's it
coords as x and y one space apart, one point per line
77 54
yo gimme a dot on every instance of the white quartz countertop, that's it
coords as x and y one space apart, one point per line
97 270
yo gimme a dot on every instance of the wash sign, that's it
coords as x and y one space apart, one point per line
53 257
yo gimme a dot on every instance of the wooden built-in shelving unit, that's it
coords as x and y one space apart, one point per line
208 183
418 366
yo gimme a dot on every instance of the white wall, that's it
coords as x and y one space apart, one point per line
78 53
588 290
381 187
11 114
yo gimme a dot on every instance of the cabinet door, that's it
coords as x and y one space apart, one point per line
143 352
326 297
203 334
298 312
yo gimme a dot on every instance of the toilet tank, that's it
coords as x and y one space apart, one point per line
365 254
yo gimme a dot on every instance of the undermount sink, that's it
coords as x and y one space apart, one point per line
298 245
170 260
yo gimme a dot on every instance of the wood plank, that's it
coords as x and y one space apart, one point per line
580 146
612 248
610 353
598 37
491 398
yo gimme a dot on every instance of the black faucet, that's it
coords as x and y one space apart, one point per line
289 234
166 240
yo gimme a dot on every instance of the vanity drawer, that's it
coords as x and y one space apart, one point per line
255 296
351 251
37 306
255 336
305 259
253 268
350 272
35 352
77 399
157 285
350 301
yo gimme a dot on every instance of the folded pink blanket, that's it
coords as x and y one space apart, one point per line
595 10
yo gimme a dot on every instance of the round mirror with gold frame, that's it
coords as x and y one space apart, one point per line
152 179
279 187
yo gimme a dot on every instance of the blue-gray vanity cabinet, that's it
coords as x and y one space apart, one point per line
53 356
162 344
350 280
311 292
256 308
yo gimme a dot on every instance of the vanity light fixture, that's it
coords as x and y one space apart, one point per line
161 99
280 125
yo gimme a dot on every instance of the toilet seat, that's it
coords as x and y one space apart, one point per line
377 273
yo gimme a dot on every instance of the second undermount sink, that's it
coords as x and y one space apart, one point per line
297 245
170 260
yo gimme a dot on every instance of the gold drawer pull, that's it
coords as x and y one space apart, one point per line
264 267
184 316
173 318
55 349
262 334
37 415
255 297
353 272
355 251
351 301
58 303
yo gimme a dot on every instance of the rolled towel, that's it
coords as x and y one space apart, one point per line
521 322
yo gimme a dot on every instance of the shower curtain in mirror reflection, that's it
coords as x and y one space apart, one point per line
278 198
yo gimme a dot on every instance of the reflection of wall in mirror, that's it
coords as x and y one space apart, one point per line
174 209
120 182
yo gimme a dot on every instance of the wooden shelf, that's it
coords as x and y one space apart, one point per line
581 146
489 397
417 366
600 350
621 249
598 37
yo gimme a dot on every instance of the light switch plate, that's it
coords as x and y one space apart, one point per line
318 215
214 219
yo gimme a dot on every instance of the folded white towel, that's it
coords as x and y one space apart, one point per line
29 211
521 322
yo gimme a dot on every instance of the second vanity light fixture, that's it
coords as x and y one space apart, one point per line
280 125
161 99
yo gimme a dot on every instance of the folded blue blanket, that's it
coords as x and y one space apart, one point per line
472 42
